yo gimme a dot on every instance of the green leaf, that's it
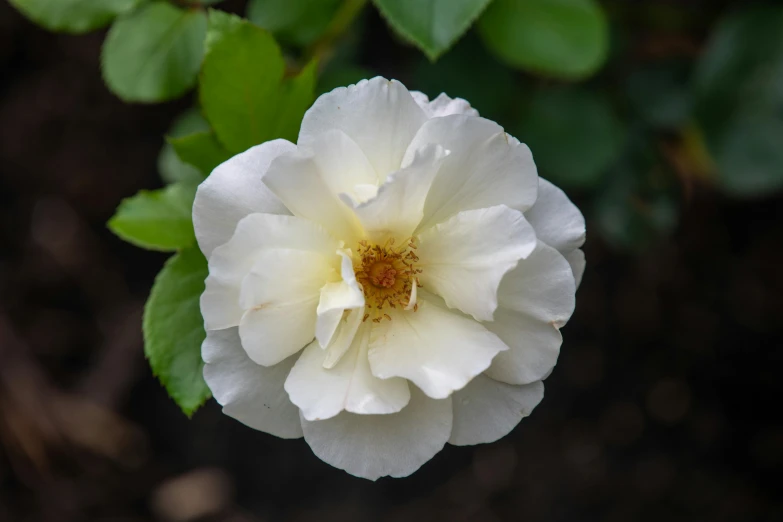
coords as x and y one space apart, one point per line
574 135
154 53
295 95
172 169
341 76
659 93
432 25
174 329
242 90
738 89
493 96
157 219
74 16
297 22
560 38
201 150
639 202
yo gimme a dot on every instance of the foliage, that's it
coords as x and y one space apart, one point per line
296 22
248 104
574 133
74 16
153 54
170 166
621 123
560 38
432 25
174 329
157 219
739 90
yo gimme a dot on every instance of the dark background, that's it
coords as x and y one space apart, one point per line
665 404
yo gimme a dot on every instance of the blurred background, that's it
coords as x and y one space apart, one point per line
665 404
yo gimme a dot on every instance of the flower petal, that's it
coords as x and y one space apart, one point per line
464 259
272 333
250 393
486 167
576 258
439 350
297 181
322 393
220 302
486 410
557 221
533 348
234 190
343 337
342 164
281 275
541 286
336 298
378 114
398 207
374 446
231 262
443 105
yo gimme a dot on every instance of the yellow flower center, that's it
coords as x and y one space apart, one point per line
387 275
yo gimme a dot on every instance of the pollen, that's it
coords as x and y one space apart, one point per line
387 274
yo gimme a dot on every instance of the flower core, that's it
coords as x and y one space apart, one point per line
387 274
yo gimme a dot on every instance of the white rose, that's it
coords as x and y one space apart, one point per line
393 282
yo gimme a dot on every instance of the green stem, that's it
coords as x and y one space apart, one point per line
323 49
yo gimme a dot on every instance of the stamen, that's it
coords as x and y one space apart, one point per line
387 275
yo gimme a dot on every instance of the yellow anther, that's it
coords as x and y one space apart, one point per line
386 274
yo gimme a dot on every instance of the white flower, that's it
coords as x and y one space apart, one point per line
393 282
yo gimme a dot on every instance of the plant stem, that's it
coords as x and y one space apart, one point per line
323 49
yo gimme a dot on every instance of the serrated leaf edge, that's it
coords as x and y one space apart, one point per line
432 56
189 412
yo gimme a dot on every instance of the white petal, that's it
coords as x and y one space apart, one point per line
341 341
335 298
300 185
327 321
281 275
464 259
374 446
362 193
234 190
275 332
557 221
576 258
541 286
322 393
443 105
342 164
378 114
486 410
439 350
536 298
533 348
231 262
486 167
398 207
220 302
250 393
